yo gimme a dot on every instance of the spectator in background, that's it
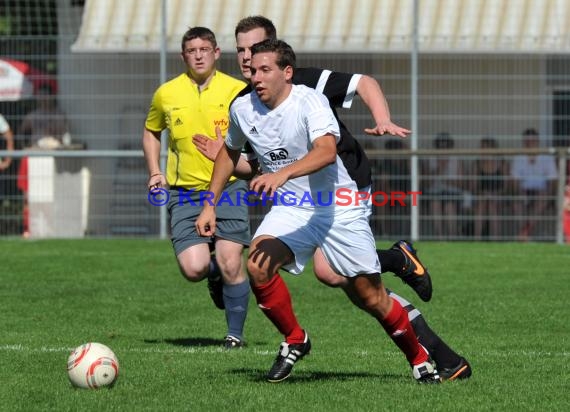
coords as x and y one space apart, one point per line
534 178
566 213
8 136
566 205
444 188
491 173
46 126
8 192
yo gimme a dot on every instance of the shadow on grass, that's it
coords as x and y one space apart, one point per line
188 341
258 375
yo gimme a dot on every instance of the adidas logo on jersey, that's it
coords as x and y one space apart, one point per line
253 130
178 122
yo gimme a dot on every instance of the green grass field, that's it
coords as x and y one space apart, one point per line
503 306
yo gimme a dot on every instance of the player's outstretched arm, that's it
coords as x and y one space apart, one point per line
208 147
211 147
373 97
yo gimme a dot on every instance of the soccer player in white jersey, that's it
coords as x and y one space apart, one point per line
293 133
340 88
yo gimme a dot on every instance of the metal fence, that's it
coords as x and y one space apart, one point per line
475 195
469 92
65 194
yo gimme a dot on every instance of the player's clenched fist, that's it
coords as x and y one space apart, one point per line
206 222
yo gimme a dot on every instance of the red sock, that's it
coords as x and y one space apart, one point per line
398 327
274 300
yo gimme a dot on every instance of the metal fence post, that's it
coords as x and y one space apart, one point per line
415 213
164 135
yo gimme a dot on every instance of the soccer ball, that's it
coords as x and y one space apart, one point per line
92 365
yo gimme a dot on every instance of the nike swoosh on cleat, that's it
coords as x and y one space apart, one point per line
419 268
456 374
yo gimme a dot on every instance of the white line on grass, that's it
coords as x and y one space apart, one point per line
207 349
191 350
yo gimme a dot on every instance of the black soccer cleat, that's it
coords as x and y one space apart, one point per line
425 373
288 355
461 371
231 342
215 287
414 273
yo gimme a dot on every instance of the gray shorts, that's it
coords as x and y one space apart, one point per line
232 219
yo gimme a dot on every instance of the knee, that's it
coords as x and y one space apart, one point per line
370 302
193 272
375 303
231 268
257 274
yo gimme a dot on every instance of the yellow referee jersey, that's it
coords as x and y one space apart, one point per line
179 106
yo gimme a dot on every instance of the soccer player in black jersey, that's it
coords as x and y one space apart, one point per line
401 259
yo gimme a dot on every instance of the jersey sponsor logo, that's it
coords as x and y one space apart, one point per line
276 154
277 158
253 130
221 122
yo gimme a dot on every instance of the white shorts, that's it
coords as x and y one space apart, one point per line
345 238
367 203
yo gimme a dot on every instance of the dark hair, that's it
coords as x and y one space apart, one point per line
285 54
443 140
44 90
253 22
530 132
199 33
489 142
393 144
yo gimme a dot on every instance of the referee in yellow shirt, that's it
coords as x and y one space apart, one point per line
197 102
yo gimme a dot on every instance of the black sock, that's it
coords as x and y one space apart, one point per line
214 271
391 260
443 355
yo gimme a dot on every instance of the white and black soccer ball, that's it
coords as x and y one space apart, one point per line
92 365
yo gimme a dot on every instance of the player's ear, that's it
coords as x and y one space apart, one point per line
217 53
288 72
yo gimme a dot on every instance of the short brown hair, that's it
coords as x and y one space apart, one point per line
253 22
285 54
199 33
